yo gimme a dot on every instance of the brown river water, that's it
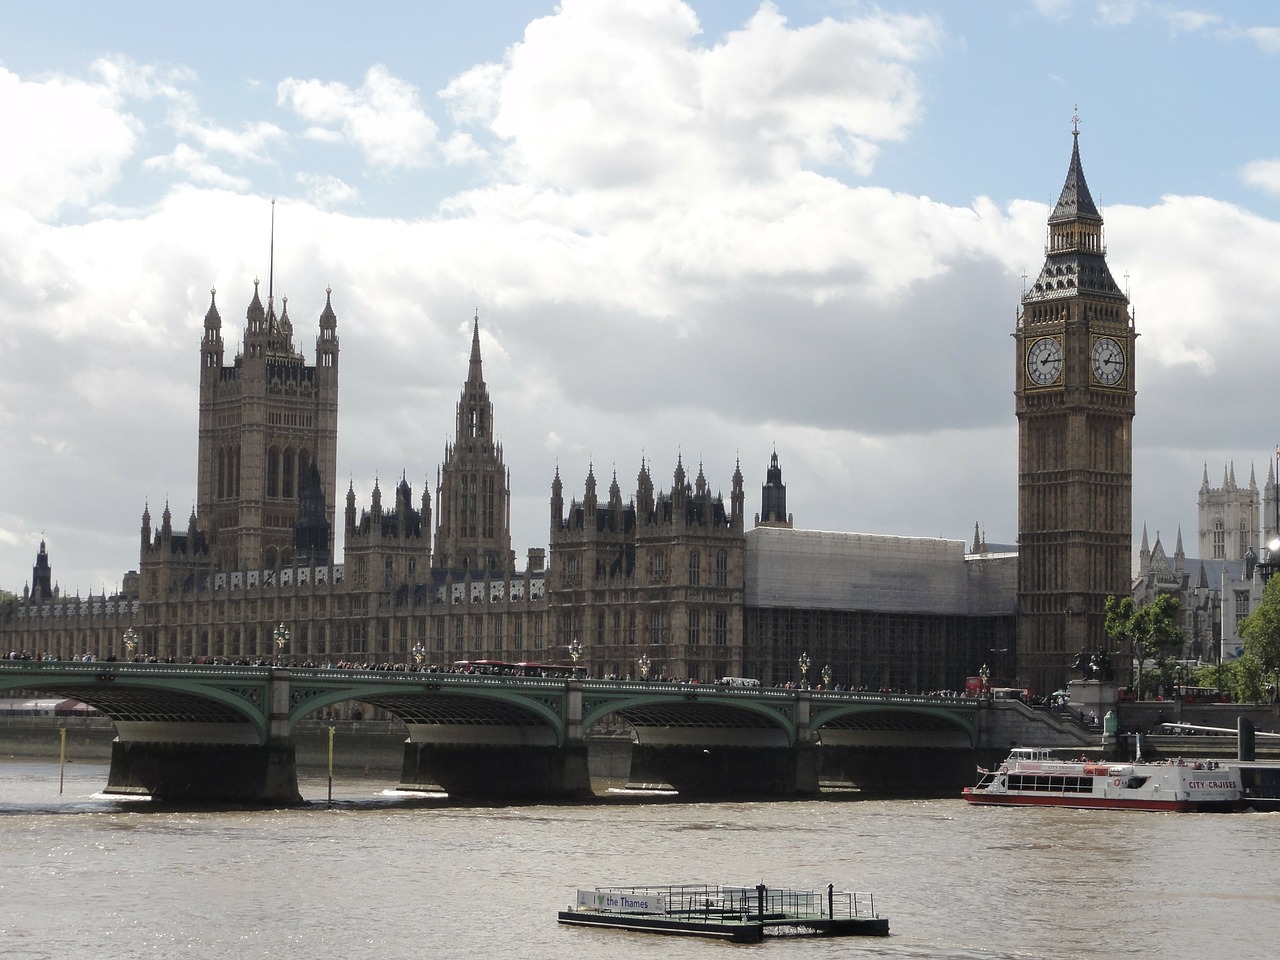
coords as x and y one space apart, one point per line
380 875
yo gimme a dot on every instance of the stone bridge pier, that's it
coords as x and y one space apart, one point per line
721 771
210 761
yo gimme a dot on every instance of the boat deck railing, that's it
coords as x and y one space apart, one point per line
735 904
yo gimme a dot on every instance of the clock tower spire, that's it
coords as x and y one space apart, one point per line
1074 396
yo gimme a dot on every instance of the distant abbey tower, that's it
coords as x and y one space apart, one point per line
1228 516
268 434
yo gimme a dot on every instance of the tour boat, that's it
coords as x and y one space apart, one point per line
735 914
1031 776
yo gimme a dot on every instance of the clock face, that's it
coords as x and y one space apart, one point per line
1044 361
1107 361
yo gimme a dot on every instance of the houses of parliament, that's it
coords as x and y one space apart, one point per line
666 580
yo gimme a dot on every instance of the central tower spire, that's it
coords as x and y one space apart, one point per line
473 529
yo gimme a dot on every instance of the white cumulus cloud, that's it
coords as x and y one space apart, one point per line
383 118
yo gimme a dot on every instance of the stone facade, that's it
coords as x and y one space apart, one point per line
661 584
651 587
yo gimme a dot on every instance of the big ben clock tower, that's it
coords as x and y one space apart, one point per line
1075 403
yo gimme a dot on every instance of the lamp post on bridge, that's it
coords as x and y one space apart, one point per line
826 676
130 641
575 654
984 672
419 653
804 670
645 664
281 637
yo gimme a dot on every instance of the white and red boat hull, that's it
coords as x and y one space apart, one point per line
1030 777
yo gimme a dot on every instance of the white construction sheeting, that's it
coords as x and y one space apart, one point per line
822 570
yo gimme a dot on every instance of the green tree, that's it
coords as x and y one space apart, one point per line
1147 632
1261 633
1245 677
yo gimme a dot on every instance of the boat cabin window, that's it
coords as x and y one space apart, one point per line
1030 753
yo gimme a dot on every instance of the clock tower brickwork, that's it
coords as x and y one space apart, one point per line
1074 397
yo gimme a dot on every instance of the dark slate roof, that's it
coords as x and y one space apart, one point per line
1075 203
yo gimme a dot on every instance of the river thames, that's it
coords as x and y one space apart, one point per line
378 875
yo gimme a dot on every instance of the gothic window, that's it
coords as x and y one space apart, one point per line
1242 604
537 631
1219 540
517 633
617 627
457 635
569 626
631 627
722 568
600 627
573 572
488 506
722 628
440 634
657 626
658 567
1244 540
695 628
273 472
470 494
497 634
695 565
286 479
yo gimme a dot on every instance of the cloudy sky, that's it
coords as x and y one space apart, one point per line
699 230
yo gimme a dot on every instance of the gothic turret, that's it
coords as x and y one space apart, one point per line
773 498
42 576
473 529
311 531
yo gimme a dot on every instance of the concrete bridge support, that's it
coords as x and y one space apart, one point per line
210 761
257 774
498 771
899 770
727 771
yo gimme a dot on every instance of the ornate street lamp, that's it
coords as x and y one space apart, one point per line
985 673
130 641
645 664
281 637
575 654
419 652
826 676
804 670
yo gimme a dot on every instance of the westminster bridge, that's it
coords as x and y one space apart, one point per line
225 733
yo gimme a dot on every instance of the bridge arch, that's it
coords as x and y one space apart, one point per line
135 696
414 701
850 722
688 714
